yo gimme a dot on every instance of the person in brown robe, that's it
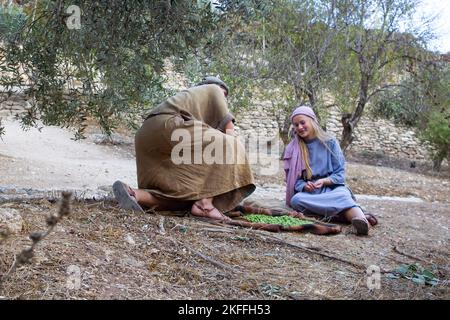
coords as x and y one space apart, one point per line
188 157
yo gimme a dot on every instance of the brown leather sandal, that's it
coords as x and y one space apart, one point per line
126 197
371 218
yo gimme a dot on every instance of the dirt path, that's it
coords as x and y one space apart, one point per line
51 160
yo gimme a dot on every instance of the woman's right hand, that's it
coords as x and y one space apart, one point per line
309 187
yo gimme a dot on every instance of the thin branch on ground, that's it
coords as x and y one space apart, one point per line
323 254
309 249
209 259
52 220
408 255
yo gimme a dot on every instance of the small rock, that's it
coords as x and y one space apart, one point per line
129 239
12 219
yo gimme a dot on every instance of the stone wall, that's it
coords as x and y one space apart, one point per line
12 106
260 120
372 135
383 137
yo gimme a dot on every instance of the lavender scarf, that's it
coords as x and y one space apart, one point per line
293 161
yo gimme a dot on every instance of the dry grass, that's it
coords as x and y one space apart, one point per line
149 256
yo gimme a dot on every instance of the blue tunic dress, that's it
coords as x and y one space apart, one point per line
327 201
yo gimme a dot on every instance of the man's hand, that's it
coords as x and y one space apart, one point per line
229 129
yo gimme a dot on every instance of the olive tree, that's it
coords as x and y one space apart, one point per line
377 46
103 60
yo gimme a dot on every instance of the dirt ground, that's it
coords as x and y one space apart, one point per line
101 252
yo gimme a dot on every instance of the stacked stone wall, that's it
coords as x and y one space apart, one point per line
371 135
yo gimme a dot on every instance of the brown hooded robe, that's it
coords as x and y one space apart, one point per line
189 127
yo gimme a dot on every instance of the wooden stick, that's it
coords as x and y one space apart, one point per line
314 250
211 260
323 254
408 255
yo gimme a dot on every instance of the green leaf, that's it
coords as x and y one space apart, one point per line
403 269
416 273
428 274
418 278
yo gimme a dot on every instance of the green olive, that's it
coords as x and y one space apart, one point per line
285 220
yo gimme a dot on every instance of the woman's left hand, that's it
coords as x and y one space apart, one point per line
320 183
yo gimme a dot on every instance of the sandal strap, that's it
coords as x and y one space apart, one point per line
206 211
371 216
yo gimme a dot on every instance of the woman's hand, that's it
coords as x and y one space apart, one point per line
322 182
309 187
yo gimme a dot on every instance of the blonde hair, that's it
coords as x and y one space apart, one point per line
320 134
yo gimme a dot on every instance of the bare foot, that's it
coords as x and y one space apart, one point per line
208 212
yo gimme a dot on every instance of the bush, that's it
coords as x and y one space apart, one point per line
402 105
12 19
438 133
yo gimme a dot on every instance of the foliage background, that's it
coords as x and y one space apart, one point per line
352 54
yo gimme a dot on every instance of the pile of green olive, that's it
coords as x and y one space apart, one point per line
286 221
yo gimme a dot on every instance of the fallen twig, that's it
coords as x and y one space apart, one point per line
310 249
323 254
408 255
224 230
209 259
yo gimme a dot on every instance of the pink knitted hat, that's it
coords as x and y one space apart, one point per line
304 110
